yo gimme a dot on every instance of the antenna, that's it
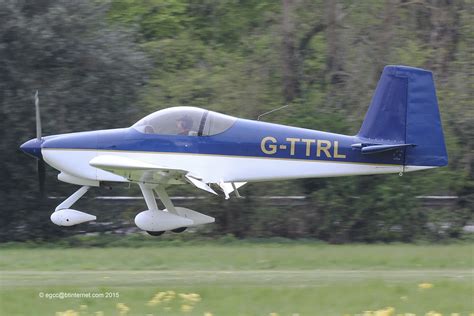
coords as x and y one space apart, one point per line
274 110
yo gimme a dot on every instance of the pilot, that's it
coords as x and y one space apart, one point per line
184 125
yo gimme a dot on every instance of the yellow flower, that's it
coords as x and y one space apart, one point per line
183 296
99 313
410 314
169 296
433 313
425 286
156 300
455 314
186 308
153 302
190 298
273 314
389 311
208 314
123 309
69 312
195 297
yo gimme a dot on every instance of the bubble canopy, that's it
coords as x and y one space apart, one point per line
185 121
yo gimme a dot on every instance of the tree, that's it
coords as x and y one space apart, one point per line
87 75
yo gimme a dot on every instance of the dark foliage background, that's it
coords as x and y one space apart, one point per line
103 64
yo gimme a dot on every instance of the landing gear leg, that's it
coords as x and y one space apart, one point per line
150 200
155 221
165 199
67 203
169 205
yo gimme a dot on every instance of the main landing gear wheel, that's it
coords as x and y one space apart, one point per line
155 233
179 230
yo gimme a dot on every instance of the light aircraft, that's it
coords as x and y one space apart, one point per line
401 132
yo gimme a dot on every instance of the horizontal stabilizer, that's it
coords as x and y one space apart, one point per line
378 148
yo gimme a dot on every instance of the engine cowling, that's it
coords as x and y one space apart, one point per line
70 217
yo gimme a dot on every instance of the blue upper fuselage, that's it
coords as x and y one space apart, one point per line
402 127
245 138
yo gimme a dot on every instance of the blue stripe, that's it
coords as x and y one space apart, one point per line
242 139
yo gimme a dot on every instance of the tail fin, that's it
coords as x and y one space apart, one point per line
404 110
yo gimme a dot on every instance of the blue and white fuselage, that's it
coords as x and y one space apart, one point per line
247 151
401 133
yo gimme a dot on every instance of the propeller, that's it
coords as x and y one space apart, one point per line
40 164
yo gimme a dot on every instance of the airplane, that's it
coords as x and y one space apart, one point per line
401 133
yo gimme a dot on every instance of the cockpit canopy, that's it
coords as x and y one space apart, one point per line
184 120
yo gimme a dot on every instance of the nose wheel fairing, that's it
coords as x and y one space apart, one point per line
65 216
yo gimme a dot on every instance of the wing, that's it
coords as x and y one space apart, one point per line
143 172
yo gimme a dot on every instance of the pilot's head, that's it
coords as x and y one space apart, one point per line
184 123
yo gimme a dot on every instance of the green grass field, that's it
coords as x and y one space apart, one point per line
239 279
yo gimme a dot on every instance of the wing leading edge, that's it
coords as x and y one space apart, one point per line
143 172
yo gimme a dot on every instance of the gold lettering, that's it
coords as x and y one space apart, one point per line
325 149
292 144
271 148
308 145
336 148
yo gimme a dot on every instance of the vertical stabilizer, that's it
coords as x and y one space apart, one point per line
404 110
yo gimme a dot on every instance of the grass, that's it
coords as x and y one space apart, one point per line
244 256
240 279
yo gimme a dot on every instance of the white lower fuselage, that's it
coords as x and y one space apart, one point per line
216 168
